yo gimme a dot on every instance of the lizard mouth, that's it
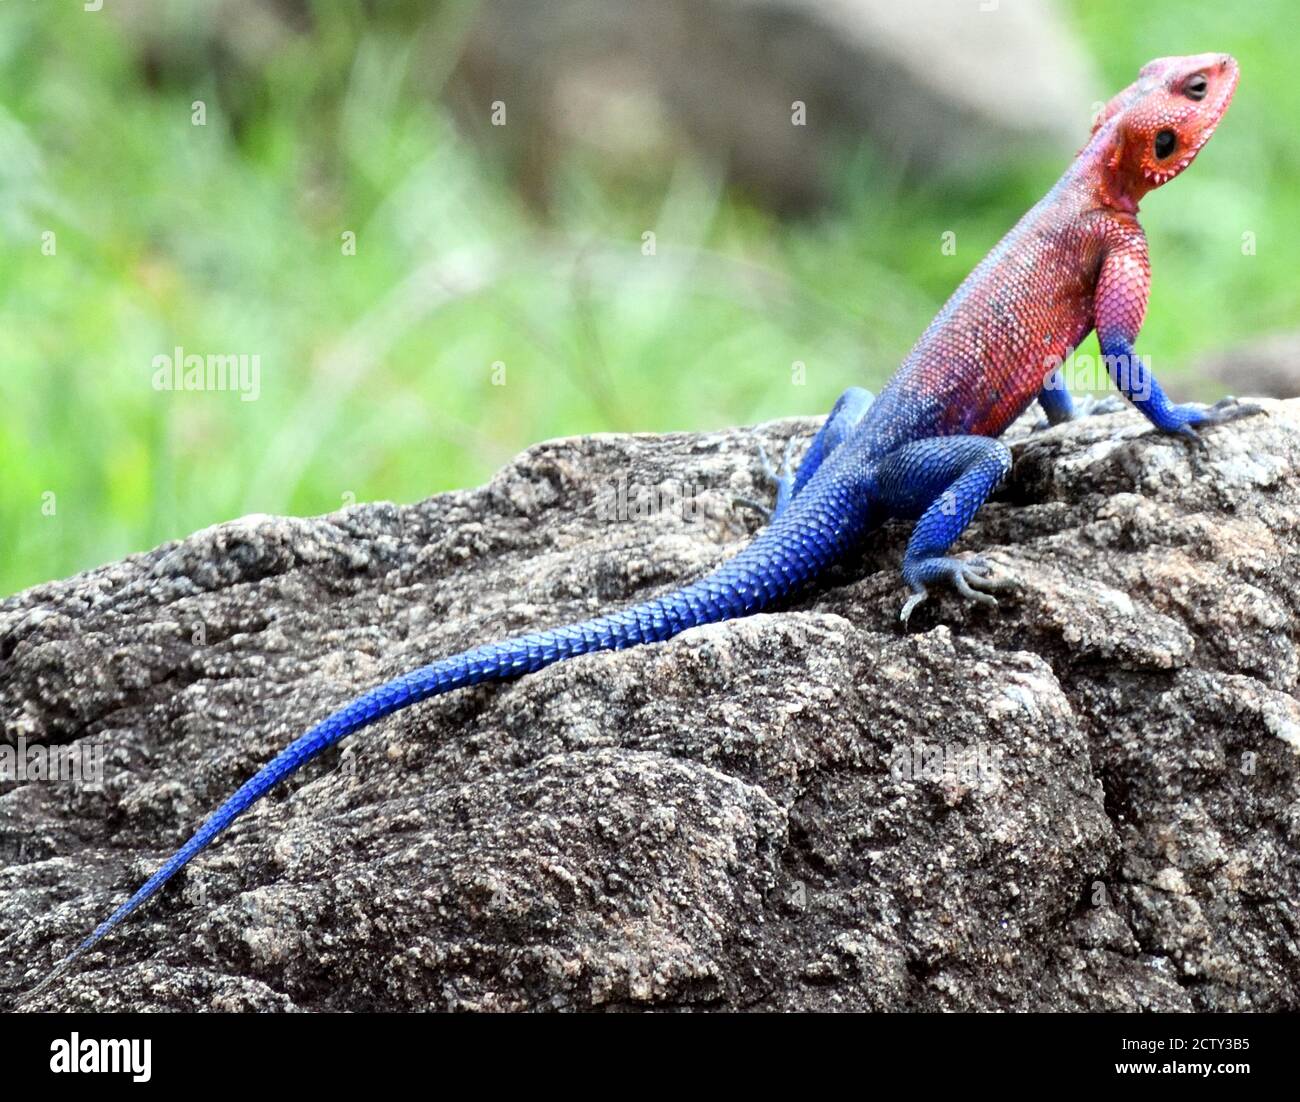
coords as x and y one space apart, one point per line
1219 107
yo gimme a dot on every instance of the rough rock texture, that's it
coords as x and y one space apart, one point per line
1086 798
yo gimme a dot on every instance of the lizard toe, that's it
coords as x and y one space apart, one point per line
1222 412
782 479
749 503
963 586
1230 409
917 598
982 577
971 578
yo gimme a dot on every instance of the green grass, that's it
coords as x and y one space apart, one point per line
377 369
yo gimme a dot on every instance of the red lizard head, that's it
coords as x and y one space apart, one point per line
1158 124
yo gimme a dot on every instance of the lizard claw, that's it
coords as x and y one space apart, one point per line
1188 432
1221 413
774 475
1231 409
970 577
749 503
782 478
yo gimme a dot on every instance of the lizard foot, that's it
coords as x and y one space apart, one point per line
970 577
782 479
1223 411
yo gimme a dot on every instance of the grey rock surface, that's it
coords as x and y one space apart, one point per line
1084 799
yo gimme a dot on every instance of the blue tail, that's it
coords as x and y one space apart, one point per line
790 552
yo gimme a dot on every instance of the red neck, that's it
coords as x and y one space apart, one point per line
1117 184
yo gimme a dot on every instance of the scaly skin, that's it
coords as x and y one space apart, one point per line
924 449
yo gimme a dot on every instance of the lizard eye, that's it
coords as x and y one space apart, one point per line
1196 86
1165 142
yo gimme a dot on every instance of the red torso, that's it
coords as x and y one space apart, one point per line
1017 316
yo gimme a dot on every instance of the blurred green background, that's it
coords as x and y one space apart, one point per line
377 368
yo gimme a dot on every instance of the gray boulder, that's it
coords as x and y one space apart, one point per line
1084 799
934 85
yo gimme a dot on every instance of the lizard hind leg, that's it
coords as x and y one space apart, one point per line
848 410
782 478
942 481
845 415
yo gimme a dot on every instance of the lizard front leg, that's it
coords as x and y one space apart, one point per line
1120 306
1056 401
942 480
1059 405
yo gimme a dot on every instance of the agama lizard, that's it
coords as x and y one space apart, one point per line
926 449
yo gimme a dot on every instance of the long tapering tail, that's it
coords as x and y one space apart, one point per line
800 544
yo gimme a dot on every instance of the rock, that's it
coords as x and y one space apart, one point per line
1270 366
634 83
637 86
1084 799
